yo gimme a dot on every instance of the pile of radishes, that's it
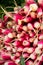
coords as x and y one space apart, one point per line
22 36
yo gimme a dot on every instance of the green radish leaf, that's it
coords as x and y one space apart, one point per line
22 61
6 12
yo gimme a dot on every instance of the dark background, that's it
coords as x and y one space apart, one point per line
10 3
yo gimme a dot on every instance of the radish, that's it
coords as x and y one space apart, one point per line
17 17
27 19
5 56
17 43
37 25
39 11
9 63
40 44
29 62
40 2
33 15
33 7
26 43
30 26
25 55
26 9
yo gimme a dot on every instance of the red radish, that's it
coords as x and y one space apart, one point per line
9 63
39 11
0 31
5 56
27 37
31 34
41 37
22 39
14 34
29 62
37 25
32 50
21 11
26 9
26 43
7 44
17 17
19 28
20 49
24 28
35 43
23 35
14 27
31 40
25 55
33 7
9 24
40 44
33 56
7 39
33 15
19 22
41 62
40 2
27 19
14 50
6 18
42 58
8 47
18 36
1 24
17 61
25 49
37 63
2 62
1 20
38 50
41 27
17 43
6 31
10 35
17 54
30 26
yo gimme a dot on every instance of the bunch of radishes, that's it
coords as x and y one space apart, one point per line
22 36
